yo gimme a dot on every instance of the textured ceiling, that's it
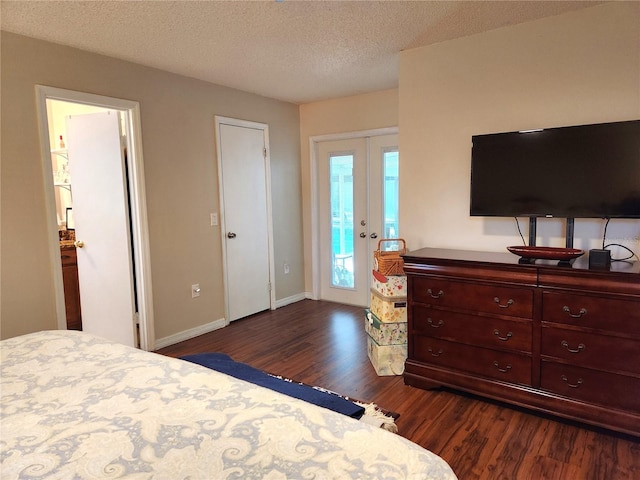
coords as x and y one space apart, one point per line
297 51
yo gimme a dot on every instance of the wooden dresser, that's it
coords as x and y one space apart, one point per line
71 287
559 340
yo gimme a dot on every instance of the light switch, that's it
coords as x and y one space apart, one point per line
214 219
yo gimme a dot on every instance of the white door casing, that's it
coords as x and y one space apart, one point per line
130 110
96 164
244 182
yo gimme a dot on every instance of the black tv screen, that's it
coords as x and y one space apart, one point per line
585 171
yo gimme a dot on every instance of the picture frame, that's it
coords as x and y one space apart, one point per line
71 224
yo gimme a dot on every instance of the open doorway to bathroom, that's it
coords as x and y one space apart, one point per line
94 186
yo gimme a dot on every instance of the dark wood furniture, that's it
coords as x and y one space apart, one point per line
559 340
71 287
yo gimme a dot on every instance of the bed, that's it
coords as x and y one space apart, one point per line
75 406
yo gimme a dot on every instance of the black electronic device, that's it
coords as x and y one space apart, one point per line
599 259
585 171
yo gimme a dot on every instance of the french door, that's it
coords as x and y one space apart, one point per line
357 206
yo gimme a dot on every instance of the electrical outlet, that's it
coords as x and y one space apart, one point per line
286 269
195 290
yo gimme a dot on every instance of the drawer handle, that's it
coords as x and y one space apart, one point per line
583 311
581 347
503 370
438 325
496 332
437 295
576 385
434 354
508 304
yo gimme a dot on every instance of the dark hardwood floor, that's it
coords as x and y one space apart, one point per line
324 344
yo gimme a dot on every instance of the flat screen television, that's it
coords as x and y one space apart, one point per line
585 171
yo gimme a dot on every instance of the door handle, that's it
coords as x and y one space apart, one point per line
374 235
78 244
231 235
363 235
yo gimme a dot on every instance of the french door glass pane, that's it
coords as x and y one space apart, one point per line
342 220
390 193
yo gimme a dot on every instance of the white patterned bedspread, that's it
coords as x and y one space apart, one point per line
75 406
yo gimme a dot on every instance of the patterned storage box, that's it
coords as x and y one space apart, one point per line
389 286
388 309
386 359
385 333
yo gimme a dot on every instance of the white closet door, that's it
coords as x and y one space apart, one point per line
246 214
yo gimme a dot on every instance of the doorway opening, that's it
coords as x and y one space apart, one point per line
354 198
60 110
57 112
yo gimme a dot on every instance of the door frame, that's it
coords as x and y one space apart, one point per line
219 120
315 220
139 220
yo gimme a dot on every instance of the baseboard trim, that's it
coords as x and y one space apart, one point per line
289 300
191 333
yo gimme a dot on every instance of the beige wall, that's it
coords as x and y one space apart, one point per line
341 115
580 67
177 117
577 68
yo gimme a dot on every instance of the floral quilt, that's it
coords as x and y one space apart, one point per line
75 406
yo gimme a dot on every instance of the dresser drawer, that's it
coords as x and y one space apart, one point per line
496 299
68 256
505 366
607 389
612 314
484 331
602 352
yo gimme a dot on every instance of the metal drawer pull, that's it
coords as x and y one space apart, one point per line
503 370
436 354
509 302
438 325
581 347
437 295
583 311
566 380
496 332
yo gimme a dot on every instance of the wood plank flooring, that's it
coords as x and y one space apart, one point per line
323 343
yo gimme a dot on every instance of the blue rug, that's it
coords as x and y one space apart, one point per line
223 363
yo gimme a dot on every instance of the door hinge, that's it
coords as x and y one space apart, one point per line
269 286
136 318
264 152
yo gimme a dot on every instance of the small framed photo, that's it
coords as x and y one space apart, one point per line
71 224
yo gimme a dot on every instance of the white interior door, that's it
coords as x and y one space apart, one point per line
357 206
96 163
243 161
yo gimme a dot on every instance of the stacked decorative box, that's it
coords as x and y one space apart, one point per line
386 322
